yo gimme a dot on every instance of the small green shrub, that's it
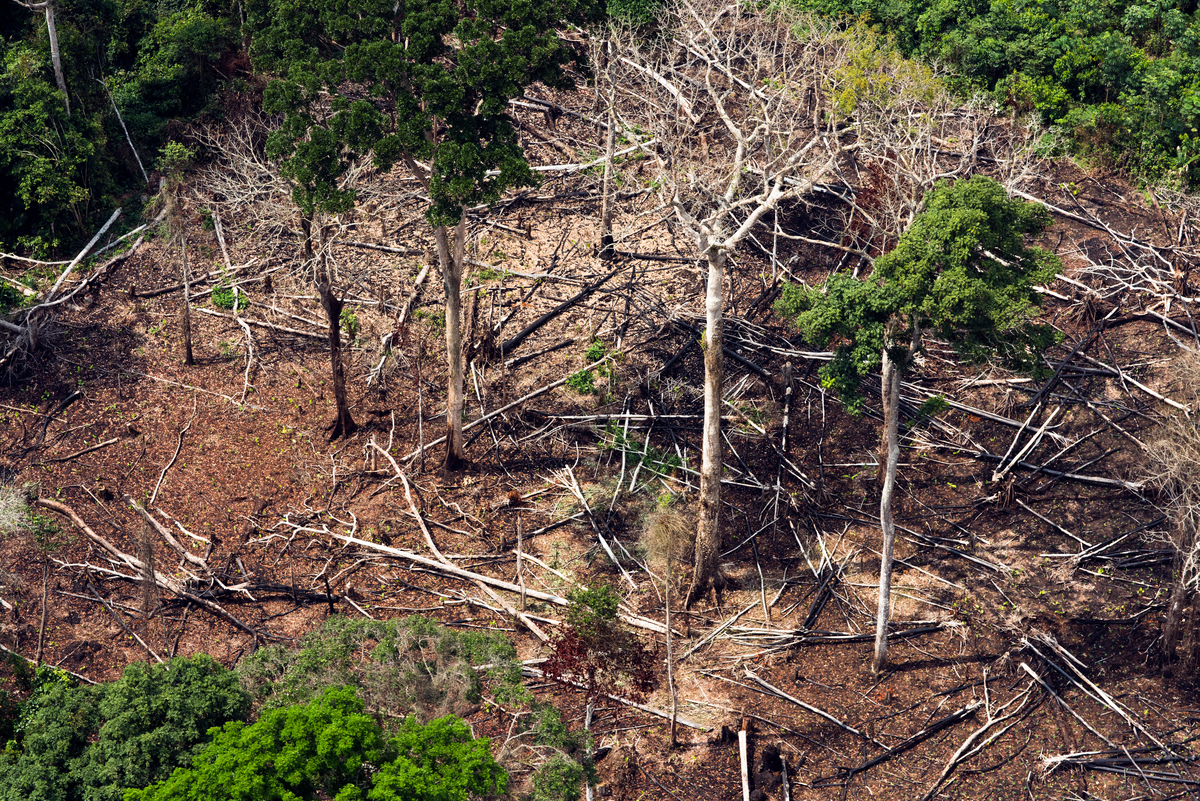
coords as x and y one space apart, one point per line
223 298
349 321
583 382
10 297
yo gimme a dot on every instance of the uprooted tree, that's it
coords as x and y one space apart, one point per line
439 76
962 271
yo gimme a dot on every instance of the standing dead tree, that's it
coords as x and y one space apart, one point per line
1174 470
47 7
733 99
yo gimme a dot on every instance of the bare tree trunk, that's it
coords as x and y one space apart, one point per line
343 424
706 571
37 659
670 653
149 584
606 202
452 267
1175 606
1191 639
187 303
891 414
56 57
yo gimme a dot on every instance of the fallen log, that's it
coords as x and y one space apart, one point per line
535 672
916 739
454 570
773 690
509 344
136 564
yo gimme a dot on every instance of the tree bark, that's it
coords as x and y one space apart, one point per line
1191 639
343 424
452 267
706 571
670 651
187 303
1174 619
891 414
56 56
606 202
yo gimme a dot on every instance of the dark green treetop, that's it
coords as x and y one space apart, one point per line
961 271
331 749
438 75
91 743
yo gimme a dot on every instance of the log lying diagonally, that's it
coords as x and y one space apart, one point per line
441 567
163 580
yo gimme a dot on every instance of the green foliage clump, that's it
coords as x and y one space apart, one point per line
349 323
61 169
95 742
1122 77
174 158
401 667
559 779
961 270
583 382
593 650
635 13
442 74
223 297
328 748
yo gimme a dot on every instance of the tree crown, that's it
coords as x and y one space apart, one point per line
962 270
435 75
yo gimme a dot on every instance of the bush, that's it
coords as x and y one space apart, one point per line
594 651
223 298
583 382
401 667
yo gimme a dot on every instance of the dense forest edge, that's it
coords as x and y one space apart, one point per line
1118 82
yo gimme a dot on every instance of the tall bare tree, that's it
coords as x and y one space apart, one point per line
1174 470
733 98
47 7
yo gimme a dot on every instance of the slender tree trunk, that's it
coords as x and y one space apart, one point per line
452 268
891 414
343 424
706 572
606 202
1191 639
1174 620
56 56
187 303
37 659
670 653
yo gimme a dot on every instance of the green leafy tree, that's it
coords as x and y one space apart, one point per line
962 270
440 74
91 743
49 747
156 718
315 149
331 749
